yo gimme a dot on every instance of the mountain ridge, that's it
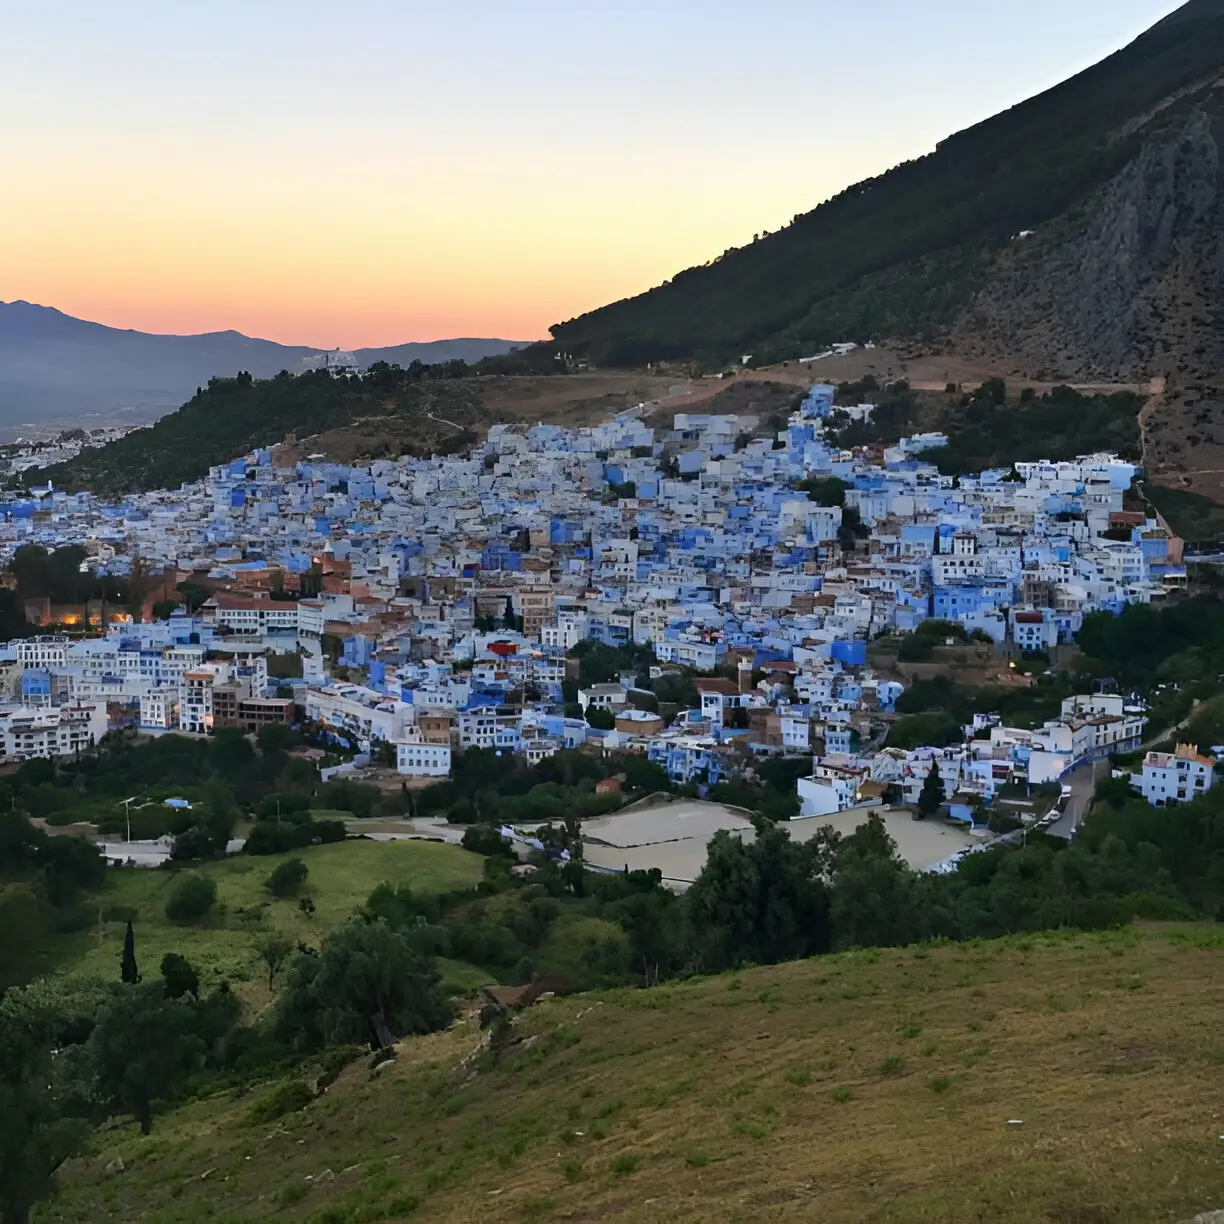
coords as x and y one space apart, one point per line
906 253
53 364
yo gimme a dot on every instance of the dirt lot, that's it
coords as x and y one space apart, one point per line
576 399
673 837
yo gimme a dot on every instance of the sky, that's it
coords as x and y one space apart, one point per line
377 172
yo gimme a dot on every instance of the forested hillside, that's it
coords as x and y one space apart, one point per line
232 416
905 253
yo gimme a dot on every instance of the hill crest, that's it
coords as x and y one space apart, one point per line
54 365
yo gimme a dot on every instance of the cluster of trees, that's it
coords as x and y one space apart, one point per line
773 898
56 575
70 1056
986 431
492 788
224 779
42 879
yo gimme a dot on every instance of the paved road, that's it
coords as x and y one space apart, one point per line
1083 783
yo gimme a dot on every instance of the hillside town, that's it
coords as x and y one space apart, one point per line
433 606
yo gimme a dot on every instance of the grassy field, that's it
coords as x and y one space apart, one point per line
341 878
1069 1079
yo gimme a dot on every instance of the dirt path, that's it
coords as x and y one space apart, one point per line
1156 392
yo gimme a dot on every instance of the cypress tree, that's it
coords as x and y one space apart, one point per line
931 796
129 972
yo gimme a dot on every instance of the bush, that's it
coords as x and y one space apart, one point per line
191 899
268 838
286 1098
917 648
180 977
287 878
486 840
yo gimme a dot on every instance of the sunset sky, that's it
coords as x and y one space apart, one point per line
371 173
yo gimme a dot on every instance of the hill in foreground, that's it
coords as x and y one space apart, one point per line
1059 1077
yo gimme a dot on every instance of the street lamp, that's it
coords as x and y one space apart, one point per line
127 811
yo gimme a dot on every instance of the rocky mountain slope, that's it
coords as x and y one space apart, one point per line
1114 179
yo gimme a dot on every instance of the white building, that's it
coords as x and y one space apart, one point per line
250 617
1174 777
159 709
478 729
360 712
414 758
44 651
311 616
50 731
832 788
610 697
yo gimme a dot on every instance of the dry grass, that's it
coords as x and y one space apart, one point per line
871 1086
574 400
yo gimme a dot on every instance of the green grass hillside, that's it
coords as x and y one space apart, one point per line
871 1086
223 946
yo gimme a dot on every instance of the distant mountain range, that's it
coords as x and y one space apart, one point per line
54 366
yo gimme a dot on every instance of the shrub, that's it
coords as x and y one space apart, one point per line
292 1192
940 1084
801 1077
894 1064
624 1164
191 899
485 839
843 1093
180 977
268 838
286 1098
287 878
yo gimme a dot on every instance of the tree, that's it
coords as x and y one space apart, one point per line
142 1046
368 984
763 901
35 1136
600 719
824 491
485 839
179 976
645 775
931 797
129 973
191 899
872 900
274 949
287 878
275 737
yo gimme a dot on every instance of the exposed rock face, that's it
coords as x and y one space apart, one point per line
1128 287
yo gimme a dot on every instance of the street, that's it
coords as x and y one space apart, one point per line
1083 783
